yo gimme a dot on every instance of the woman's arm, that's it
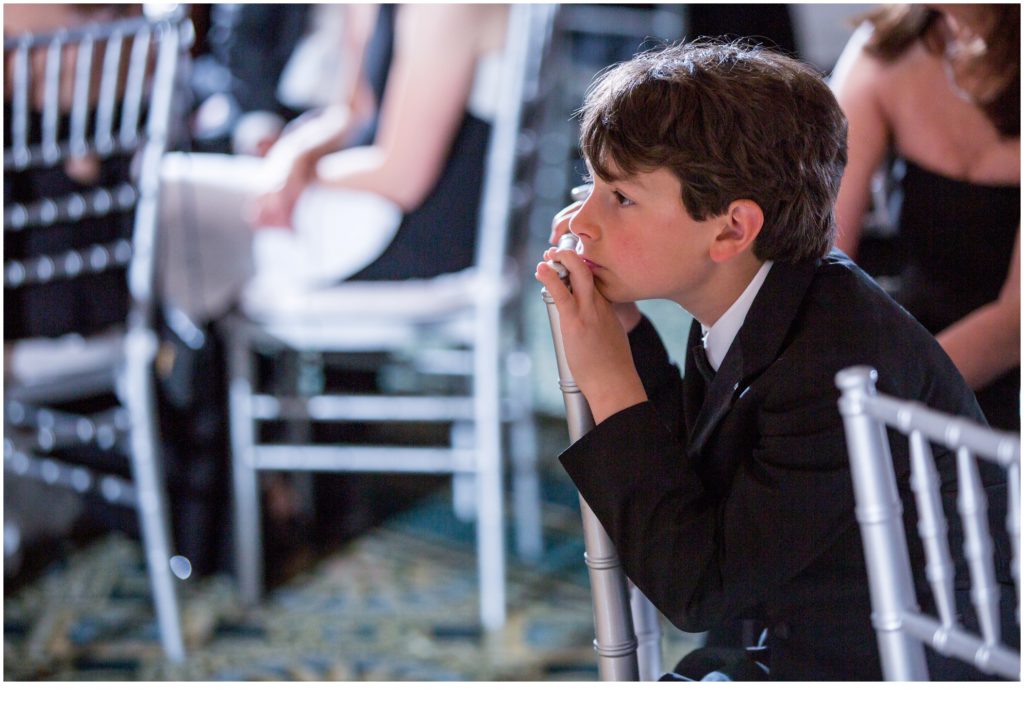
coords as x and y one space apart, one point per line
436 53
986 342
855 82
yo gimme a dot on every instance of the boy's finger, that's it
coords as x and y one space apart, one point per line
579 274
568 210
560 223
556 287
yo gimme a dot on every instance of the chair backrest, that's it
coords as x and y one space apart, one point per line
899 625
88 112
100 91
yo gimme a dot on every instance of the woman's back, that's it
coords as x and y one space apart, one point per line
934 89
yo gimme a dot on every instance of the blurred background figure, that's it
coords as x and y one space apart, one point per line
246 49
383 183
932 93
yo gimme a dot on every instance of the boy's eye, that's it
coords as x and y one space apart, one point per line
623 200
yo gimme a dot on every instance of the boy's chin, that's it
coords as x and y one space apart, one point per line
622 300
613 295
617 297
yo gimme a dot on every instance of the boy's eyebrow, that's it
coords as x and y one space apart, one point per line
631 181
615 177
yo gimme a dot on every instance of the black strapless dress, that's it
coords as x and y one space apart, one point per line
439 236
958 239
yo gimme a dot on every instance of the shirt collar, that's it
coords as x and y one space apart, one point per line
719 337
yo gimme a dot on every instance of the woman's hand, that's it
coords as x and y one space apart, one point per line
292 162
594 338
275 207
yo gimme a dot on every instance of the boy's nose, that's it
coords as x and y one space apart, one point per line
581 224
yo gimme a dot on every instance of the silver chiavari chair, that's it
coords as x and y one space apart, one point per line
627 626
451 328
901 628
92 93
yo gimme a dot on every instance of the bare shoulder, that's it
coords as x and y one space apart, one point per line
858 73
916 69
937 128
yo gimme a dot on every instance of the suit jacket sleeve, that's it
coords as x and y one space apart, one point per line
702 554
660 377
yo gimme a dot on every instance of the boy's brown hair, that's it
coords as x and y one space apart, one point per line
732 122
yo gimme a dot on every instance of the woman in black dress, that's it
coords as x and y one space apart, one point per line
939 88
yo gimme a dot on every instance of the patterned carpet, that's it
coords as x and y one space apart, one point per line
398 602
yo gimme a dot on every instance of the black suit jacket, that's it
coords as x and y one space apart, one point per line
735 500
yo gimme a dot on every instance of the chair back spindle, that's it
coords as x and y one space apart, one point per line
924 481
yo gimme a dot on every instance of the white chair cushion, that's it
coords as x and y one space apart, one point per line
398 301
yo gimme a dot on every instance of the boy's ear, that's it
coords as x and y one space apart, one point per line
741 224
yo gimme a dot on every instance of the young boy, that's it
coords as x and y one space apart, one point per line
727 493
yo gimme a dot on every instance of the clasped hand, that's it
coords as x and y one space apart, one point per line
274 207
593 330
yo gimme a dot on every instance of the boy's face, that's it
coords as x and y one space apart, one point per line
640 242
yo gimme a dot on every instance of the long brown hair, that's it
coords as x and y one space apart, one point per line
898 27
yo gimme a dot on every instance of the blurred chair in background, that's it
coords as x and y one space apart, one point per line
441 338
87 115
982 637
406 208
307 233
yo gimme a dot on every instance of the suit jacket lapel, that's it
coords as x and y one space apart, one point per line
755 347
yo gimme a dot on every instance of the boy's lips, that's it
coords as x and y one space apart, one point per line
590 264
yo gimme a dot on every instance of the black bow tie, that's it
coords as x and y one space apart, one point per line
700 358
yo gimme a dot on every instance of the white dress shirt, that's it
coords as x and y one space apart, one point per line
719 337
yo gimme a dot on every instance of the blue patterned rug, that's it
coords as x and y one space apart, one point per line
399 602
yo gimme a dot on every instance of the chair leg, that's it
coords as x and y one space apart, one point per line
487 434
247 527
138 394
523 451
464 489
303 377
647 628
